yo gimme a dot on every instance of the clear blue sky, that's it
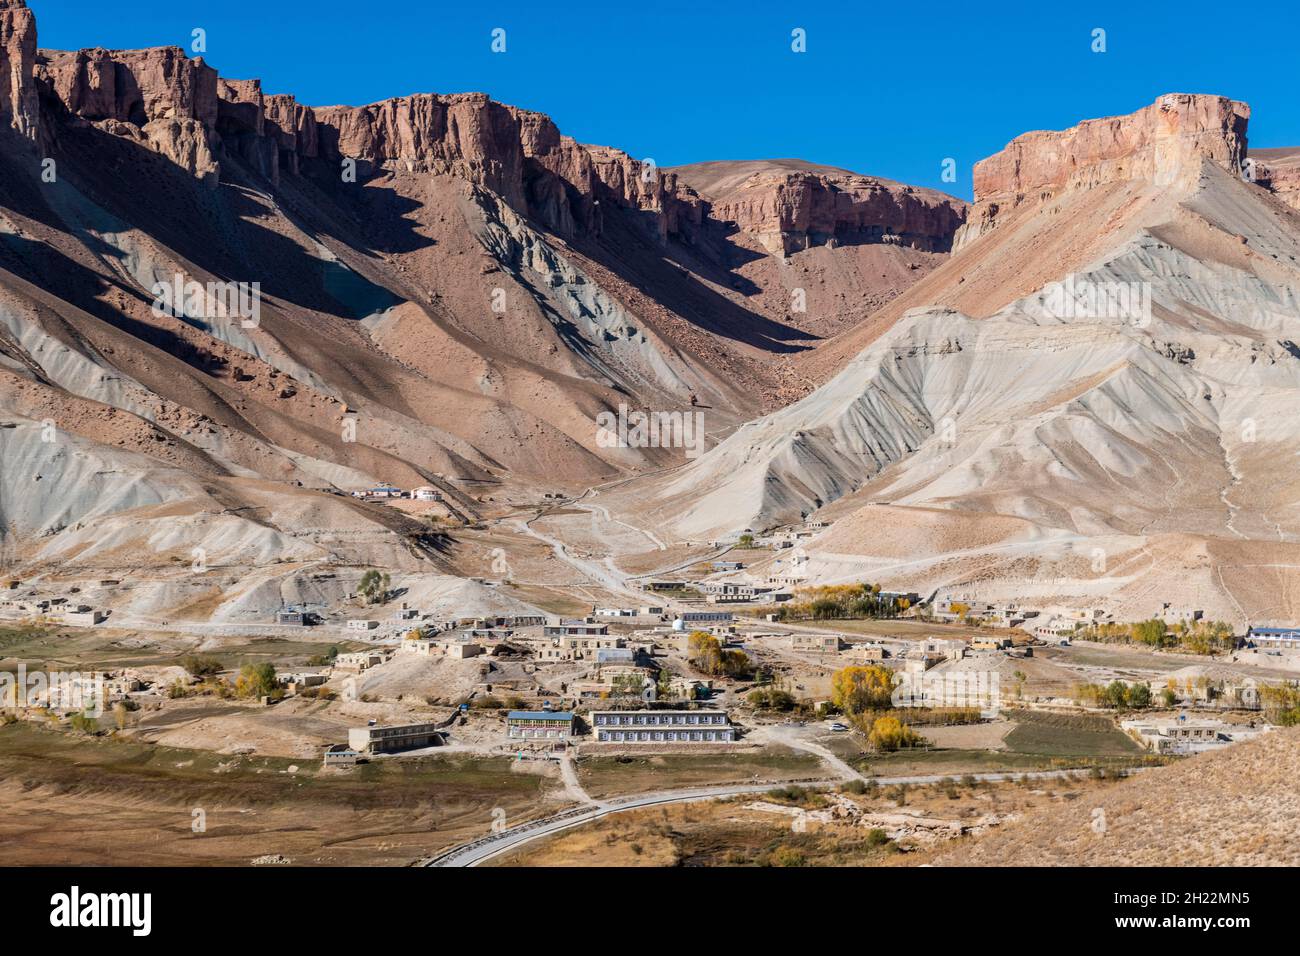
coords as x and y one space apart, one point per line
889 89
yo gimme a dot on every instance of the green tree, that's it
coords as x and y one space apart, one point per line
201 665
256 680
1116 694
373 587
1139 696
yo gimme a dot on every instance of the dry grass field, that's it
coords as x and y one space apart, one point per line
1239 807
734 832
69 800
606 776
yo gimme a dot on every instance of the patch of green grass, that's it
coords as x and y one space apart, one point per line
904 763
1068 735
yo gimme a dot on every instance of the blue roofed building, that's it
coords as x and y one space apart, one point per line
1282 638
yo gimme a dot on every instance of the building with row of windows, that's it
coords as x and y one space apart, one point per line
1280 638
662 726
375 740
539 725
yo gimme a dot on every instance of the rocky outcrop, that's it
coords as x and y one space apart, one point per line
181 109
19 101
789 205
242 123
1162 143
160 97
519 155
1279 170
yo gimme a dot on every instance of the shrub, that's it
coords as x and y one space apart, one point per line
201 665
786 856
877 837
256 680
83 724
769 698
890 734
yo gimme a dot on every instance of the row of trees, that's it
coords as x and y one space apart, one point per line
841 602
252 681
1281 704
1118 695
634 684
864 695
1197 637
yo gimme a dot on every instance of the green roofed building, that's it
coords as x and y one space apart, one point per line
539 724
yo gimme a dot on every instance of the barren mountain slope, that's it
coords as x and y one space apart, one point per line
825 246
448 291
1238 806
1123 417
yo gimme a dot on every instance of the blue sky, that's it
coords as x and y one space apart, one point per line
890 89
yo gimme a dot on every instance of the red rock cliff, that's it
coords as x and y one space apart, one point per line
160 97
789 205
181 109
1162 143
19 102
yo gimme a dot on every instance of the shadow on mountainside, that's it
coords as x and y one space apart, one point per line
666 274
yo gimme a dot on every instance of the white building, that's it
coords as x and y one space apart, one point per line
662 726
1181 736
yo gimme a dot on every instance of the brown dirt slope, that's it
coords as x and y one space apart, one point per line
1236 807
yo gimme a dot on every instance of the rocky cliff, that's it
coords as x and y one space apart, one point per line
19 105
790 206
180 108
518 154
1162 143
1279 170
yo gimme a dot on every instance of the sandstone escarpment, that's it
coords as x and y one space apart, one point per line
519 155
158 96
182 109
790 206
1279 170
1164 144
19 103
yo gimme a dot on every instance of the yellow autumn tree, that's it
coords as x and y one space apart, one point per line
890 733
706 654
857 689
